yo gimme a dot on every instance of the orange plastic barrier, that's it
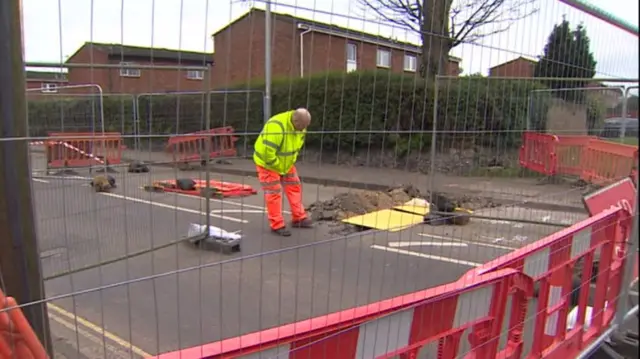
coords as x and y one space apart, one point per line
397 327
550 263
192 147
220 189
64 151
569 153
603 161
590 159
17 339
537 153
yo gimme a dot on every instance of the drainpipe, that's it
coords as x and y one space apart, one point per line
306 31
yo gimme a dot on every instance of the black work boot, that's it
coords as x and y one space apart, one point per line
305 223
283 232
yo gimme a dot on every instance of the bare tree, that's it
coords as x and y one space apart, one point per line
445 24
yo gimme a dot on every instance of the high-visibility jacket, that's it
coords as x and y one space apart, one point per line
279 143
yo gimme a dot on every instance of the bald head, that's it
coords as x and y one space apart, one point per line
301 119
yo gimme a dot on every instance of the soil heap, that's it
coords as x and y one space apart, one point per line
357 202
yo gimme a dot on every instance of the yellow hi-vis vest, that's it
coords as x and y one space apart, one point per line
279 143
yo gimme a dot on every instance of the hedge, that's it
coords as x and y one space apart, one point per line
351 111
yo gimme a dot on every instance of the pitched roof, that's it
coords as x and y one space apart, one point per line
336 31
46 76
519 58
118 50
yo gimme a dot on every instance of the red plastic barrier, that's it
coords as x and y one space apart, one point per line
537 152
63 150
603 161
550 263
569 153
192 147
590 159
397 327
17 338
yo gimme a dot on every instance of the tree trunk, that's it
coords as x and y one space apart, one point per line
436 42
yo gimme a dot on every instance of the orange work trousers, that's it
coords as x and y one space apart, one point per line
272 184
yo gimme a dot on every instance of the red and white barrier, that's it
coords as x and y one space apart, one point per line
401 326
76 149
405 326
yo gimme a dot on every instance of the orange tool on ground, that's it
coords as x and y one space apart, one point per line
199 188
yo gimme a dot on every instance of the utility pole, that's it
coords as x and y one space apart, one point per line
19 258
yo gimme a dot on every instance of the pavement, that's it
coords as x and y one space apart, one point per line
180 296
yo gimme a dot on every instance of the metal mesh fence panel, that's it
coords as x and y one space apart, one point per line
424 192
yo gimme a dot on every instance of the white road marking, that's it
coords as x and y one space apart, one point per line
438 244
40 180
221 201
480 244
226 210
168 206
427 256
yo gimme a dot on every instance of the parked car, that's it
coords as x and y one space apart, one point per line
613 127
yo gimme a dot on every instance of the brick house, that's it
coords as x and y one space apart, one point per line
134 81
518 67
302 47
44 81
525 67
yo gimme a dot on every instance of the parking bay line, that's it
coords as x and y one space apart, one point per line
93 327
168 206
221 201
480 244
426 256
417 244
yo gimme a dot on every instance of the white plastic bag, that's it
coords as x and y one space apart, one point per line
215 232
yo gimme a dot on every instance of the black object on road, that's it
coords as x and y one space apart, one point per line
138 167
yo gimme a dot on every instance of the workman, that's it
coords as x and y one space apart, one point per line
275 154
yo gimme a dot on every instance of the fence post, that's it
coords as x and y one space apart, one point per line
267 61
632 248
432 155
623 129
19 257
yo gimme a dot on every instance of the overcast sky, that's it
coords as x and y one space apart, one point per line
54 29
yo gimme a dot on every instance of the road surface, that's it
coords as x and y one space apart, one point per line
180 296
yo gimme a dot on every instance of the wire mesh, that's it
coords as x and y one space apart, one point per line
406 109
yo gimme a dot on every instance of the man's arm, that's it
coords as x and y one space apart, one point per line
272 137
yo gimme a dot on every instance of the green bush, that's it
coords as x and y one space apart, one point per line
350 111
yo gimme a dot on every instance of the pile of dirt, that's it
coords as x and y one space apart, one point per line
357 202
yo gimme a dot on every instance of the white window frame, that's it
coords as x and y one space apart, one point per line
380 53
352 63
410 63
195 74
129 72
49 87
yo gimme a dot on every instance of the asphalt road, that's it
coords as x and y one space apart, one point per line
180 296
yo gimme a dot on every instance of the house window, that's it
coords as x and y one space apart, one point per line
48 87
352 57
383 58
410 63
129 72
195 75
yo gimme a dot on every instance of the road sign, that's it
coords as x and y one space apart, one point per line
622 193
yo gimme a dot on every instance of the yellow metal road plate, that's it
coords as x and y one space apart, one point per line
385 220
